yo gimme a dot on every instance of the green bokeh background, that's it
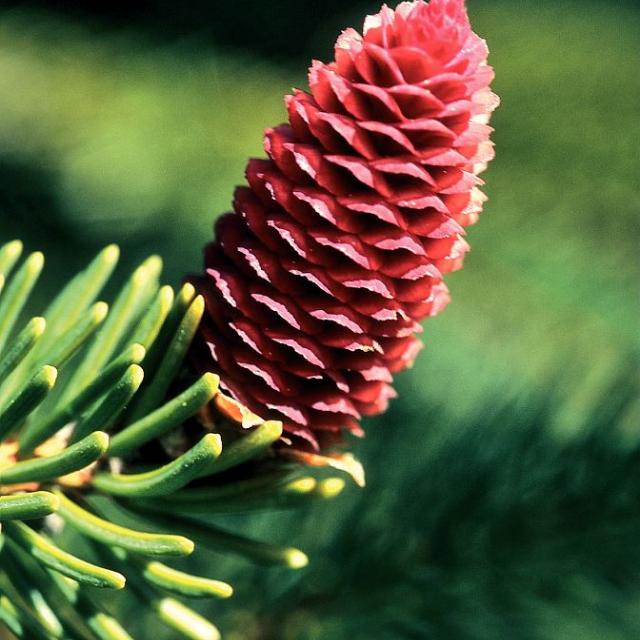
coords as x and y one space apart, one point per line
134 126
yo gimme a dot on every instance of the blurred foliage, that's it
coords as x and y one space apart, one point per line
124 140
498 530
508 440
283 30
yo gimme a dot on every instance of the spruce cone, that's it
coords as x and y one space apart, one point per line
316 283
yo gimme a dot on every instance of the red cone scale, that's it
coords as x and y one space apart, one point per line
316 283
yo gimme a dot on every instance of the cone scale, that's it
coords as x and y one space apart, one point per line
316 282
